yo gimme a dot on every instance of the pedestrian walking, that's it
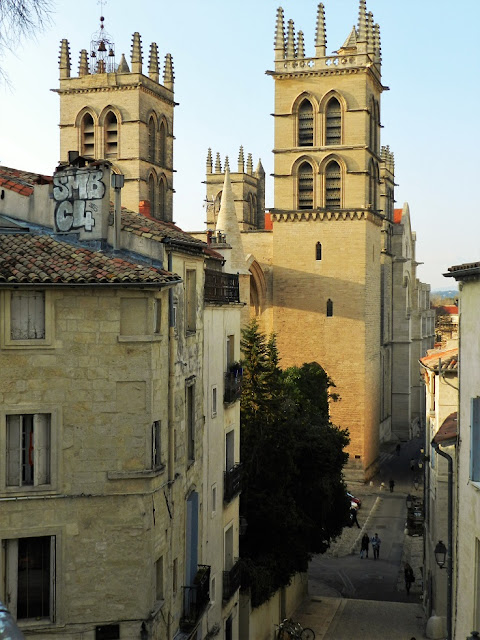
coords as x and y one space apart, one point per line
412 464
409 577
353 517
376 542
392 484
397 449
364 546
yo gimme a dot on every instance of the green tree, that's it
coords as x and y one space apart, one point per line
293 494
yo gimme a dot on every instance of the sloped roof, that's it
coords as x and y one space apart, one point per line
448 430
22 182
451 309
159 230
40 259
463 271
397 216
449 358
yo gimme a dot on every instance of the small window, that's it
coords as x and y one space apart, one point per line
88 136
156 445
333 124
27 315
333 185
111 134
305 124
151 139
162 194
152 196
230 450
175 576
318 251
190 420
475 440
214 402
329 308
213 588
157 316
214 498
159 592
28 450
305 186
162 146
230 351
191 299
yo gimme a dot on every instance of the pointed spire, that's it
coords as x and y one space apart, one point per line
259 171
241 160
209 161
291 40
370 36
83 63
64 60
123 65
378 44
279 44
218 164
136 53
249 164
227 223
227 164
301 45
351 41
153 62
362 21
321 33
168 74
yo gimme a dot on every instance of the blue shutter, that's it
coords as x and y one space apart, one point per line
475 440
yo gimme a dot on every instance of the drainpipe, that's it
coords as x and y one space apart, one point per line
118 180
449 459
171 376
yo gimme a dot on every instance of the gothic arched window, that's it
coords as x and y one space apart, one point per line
373 185
111 134
305 124
333 122
305 186
333 185
329 308
162 199
152 196
151 140
88 136
318 251
162 145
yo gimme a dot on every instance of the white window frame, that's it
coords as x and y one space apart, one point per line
156 445
214 401
37 427
6 340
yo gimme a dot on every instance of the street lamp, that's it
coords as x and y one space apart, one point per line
440 554
475 634
409 501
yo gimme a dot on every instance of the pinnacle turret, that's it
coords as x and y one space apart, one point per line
227 164
378 44
362 21
218 164
123 65
64 60
321 33
249 164
370 34
259 171
279 44
83 63
168 74
301 45
209 161
153 63
291 40
227 223
241 160
136 57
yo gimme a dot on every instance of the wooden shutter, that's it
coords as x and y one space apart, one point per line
475 440
27 309
14 443
41 448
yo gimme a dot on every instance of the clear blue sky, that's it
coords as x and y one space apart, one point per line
221 51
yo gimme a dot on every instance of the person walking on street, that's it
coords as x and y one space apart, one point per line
364 546
392 484
353 517
376 542
412 464
409 577
397 449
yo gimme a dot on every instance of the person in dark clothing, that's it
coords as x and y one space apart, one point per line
376 542
392 484
397 449
364 546
409 577
353 517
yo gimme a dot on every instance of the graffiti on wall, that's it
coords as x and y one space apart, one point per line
77 194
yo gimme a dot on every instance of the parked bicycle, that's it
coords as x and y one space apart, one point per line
290 630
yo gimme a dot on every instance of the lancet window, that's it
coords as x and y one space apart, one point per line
111 134
333 185
333 122
305 124
88 136
305 186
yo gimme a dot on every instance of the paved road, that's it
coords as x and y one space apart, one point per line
366 599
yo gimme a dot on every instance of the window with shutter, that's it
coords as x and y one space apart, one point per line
305 124
88 136
333 124
305 186
333 185
28 450
111 135
475 440
27 315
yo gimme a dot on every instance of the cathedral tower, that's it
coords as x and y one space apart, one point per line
115 112
327 219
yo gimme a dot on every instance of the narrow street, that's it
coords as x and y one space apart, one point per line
350 597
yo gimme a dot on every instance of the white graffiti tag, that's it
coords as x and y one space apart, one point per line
74 193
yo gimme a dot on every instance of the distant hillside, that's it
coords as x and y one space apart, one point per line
443 296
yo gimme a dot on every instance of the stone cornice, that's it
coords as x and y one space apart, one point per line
131 87
323 215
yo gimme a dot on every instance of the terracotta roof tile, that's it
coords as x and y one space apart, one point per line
397 215
449 358
21 182
158 230
40 259
448 429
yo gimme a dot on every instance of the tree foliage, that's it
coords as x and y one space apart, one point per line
293 494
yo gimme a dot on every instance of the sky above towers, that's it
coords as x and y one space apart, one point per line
220 52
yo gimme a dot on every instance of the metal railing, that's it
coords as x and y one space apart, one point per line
231 581
221 287
196 598
232 482
233 386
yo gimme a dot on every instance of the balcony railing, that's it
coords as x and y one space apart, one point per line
231 581
221 287
233 386
196 598
232 482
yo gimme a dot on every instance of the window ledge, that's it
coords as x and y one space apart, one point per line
28 344
27 491
475 484
149 338
157 607
133 475
39 624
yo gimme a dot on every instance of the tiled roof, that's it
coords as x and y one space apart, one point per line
141 225
21 182
397 215
40 259
463 270
449 358
448 430
451 309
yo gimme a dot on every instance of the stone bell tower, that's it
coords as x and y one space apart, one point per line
117 113
327 219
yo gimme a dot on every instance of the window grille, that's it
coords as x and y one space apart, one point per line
333 184
333 134
305 186
305 124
